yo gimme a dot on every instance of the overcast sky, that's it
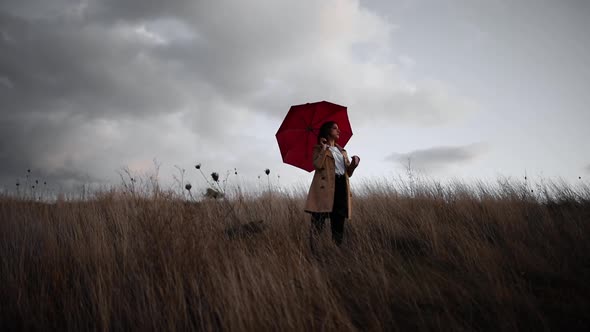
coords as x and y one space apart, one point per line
464 88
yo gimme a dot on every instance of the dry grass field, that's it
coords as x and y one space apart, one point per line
433 257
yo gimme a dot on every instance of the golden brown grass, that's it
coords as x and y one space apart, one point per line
437 258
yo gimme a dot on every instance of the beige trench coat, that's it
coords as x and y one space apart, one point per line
321 192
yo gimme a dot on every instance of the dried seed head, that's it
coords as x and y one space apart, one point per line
215 176
188 187
267 171
198 166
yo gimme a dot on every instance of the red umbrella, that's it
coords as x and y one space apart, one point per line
300 128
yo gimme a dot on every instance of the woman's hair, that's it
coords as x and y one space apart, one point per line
325 130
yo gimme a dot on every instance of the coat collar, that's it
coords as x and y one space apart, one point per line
339 147
342 150
336 145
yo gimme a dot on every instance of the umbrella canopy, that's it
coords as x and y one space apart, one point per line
300 128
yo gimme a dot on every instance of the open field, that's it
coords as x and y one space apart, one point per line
433 258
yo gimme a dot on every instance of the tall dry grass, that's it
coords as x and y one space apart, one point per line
426 257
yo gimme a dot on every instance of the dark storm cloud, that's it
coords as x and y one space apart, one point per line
95 64
32 141
58 75
107 11
71 71
137 10
91 60
80 69
439 157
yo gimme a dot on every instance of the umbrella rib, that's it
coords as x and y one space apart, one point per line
307 124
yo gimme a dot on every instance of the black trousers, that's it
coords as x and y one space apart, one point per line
337 216
336 224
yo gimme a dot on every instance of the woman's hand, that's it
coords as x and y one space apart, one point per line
353 165
324 143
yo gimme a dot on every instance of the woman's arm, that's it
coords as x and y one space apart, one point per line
350 170
353 165
319 157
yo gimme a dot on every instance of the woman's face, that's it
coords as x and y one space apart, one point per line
335 132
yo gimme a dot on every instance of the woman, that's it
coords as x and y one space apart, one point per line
329 194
